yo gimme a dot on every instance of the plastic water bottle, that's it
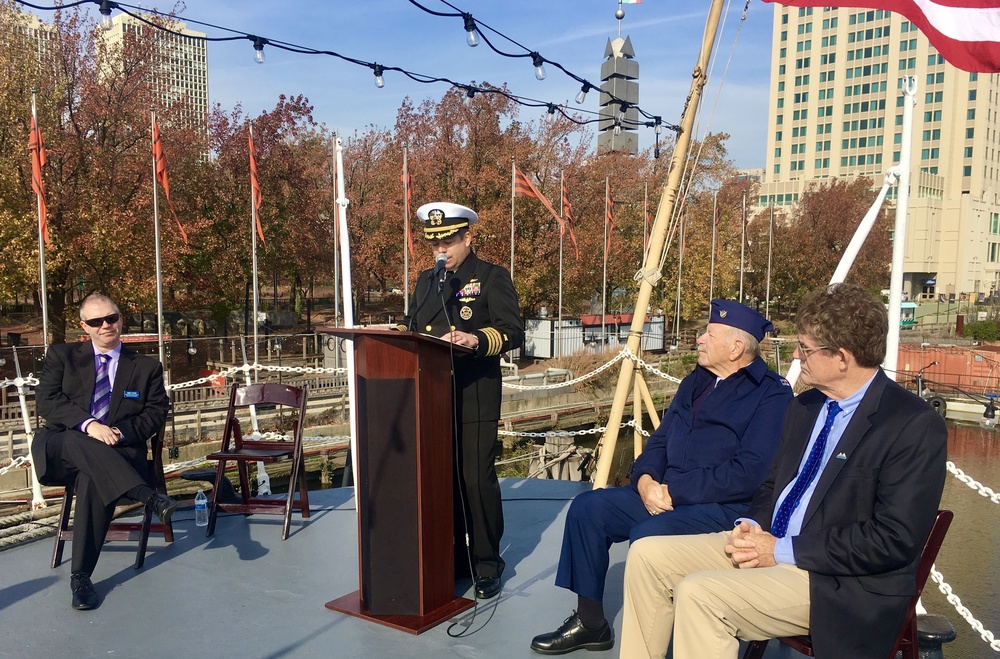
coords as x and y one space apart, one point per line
201 509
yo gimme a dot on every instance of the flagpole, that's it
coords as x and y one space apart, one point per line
253 250
336 252
645 222
406 236
711 271
680 270
743 243
908 87
562 213
604 280
159 264
41 240
345 270
770 251
512 184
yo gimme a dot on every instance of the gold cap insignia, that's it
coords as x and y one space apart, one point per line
723 313
435 217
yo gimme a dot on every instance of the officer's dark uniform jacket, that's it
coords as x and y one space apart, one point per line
480 299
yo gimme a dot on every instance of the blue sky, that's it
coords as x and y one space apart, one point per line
666 35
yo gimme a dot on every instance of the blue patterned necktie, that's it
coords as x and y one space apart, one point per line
101 405
806 476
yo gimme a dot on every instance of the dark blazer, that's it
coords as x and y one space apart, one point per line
65 388
480 298
867 521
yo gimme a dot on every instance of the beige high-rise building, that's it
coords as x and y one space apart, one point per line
836 111
182 79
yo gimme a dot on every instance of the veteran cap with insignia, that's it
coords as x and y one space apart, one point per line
442 219
734 314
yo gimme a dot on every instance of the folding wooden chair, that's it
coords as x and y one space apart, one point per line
123 530
906 642
243 449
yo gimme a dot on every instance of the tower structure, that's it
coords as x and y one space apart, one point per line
835 110
619 95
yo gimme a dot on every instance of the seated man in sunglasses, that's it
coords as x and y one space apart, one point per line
101 401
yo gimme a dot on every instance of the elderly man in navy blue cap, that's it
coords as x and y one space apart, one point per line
697 473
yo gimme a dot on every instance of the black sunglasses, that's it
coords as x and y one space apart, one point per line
110 319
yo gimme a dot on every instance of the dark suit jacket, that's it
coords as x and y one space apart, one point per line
867 521
65 388
480 299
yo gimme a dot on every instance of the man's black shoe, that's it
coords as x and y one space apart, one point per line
487 587
163 506
84 595
572 635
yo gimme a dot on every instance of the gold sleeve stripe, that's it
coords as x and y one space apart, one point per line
494 341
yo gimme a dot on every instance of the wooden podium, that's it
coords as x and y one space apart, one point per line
404 480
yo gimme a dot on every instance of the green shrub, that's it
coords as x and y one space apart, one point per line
984 330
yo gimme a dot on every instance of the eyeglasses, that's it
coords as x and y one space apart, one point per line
805 352
110 319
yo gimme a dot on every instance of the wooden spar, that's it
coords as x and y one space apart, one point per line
657 243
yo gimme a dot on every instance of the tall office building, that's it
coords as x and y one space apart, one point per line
181 83
836 111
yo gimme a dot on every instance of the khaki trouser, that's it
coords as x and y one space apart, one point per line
686 585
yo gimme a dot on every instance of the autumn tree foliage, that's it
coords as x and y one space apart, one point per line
94 112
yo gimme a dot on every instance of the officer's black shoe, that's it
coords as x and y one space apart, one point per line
84 595
572 635
163 506
487 587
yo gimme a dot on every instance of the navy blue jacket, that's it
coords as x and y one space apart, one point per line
723 455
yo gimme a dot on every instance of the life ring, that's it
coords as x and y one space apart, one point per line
939 404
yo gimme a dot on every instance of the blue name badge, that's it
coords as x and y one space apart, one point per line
130 393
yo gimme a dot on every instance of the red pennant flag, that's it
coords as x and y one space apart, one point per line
611 222
407 200
37 151
525 188
161 176
255 186
965 32
568 217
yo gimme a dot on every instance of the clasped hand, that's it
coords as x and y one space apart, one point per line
655 496
103 433
749 546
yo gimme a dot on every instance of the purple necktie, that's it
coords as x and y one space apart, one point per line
102 391
806 476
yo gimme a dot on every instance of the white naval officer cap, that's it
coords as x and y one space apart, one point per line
442 219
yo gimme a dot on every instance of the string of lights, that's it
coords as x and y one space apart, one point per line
106 7
474 32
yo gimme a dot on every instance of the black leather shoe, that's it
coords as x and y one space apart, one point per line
163 506
572 635
487 587
84 595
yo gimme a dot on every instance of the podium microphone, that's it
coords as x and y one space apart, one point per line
439 270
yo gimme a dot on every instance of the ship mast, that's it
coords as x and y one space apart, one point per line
657 243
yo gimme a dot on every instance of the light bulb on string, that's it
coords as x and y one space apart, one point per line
657 127
618 127
378 69
539 62
105 10
552 114
581 95
621 111
258 48
471 37
470 93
